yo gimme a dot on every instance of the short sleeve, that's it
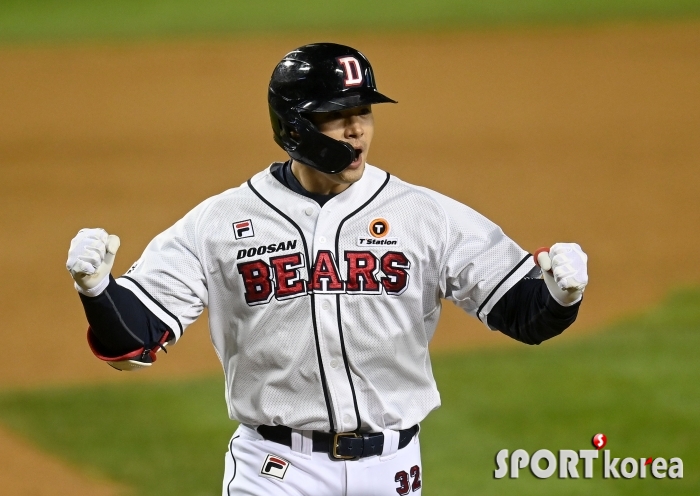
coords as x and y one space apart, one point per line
480 262
169 278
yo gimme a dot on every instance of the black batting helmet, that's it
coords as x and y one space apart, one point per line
321 77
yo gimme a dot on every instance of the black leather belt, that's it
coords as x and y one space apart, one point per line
340 445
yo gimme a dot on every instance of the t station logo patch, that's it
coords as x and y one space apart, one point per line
274 466
378 230
568 461
243 229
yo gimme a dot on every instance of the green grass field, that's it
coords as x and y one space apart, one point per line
636 381
23 20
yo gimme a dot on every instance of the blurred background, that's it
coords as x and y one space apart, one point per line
560 121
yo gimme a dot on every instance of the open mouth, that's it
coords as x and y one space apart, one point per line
358 152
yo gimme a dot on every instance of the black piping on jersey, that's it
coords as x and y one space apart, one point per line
230 450
324 384
157 303
481 307
340 325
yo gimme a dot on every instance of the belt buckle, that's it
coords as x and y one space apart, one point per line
334 450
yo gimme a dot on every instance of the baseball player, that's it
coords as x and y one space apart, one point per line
324 278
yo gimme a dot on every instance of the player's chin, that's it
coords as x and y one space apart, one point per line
353 172
356 165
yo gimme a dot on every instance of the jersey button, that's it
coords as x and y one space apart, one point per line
308 210
325 305
347 419
334 363
322 239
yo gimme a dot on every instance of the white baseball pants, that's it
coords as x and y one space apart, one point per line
257 467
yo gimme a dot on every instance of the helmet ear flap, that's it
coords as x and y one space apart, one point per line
281 131
310 147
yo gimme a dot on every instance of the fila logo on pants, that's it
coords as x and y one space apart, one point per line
365 274
274 466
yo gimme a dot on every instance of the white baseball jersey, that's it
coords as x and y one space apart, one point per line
321 317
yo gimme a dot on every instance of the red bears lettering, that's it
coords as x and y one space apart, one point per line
324 276
288 281
362 270
283 277
395 266
257 281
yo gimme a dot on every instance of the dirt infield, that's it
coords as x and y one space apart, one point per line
587 135
24 471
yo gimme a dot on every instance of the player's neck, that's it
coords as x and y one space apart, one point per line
317 182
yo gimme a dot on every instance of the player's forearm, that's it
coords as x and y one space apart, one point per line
528 313
120 323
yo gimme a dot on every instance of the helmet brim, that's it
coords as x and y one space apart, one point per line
346 101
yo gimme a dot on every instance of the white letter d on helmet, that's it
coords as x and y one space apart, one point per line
352 69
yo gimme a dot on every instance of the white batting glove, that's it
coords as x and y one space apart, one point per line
90 260
565 272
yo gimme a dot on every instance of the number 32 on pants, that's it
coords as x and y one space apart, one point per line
406 484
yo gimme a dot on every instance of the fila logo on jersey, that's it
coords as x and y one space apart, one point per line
352 69
243 229
274 466
365 274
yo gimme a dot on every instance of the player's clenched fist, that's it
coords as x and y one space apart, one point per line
565 271
90 260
